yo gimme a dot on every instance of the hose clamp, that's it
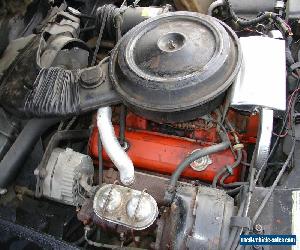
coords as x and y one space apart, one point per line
238 146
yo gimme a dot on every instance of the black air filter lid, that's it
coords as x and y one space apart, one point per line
175 62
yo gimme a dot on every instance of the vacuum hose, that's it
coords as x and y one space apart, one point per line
190 159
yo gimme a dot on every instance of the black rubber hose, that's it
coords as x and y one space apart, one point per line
156 2
265 16
123 114
45 241
105 17
274 185
288 53
107 14
224 170
100 160
191 158
235 191
234 230
22 147
268 195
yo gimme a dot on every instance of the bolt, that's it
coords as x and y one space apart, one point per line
171 44
122 236
258 228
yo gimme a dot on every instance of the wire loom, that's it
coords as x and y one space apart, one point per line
55 92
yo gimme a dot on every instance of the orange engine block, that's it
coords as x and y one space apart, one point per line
161 153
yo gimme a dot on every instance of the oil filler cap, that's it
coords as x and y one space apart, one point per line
176 66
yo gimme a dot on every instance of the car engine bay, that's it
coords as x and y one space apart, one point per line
160 124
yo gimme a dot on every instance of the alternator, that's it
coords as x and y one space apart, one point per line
69 176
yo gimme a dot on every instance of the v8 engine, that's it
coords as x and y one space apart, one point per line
149 124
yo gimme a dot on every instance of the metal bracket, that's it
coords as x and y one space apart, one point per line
262 148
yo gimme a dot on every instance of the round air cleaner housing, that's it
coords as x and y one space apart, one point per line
176 66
